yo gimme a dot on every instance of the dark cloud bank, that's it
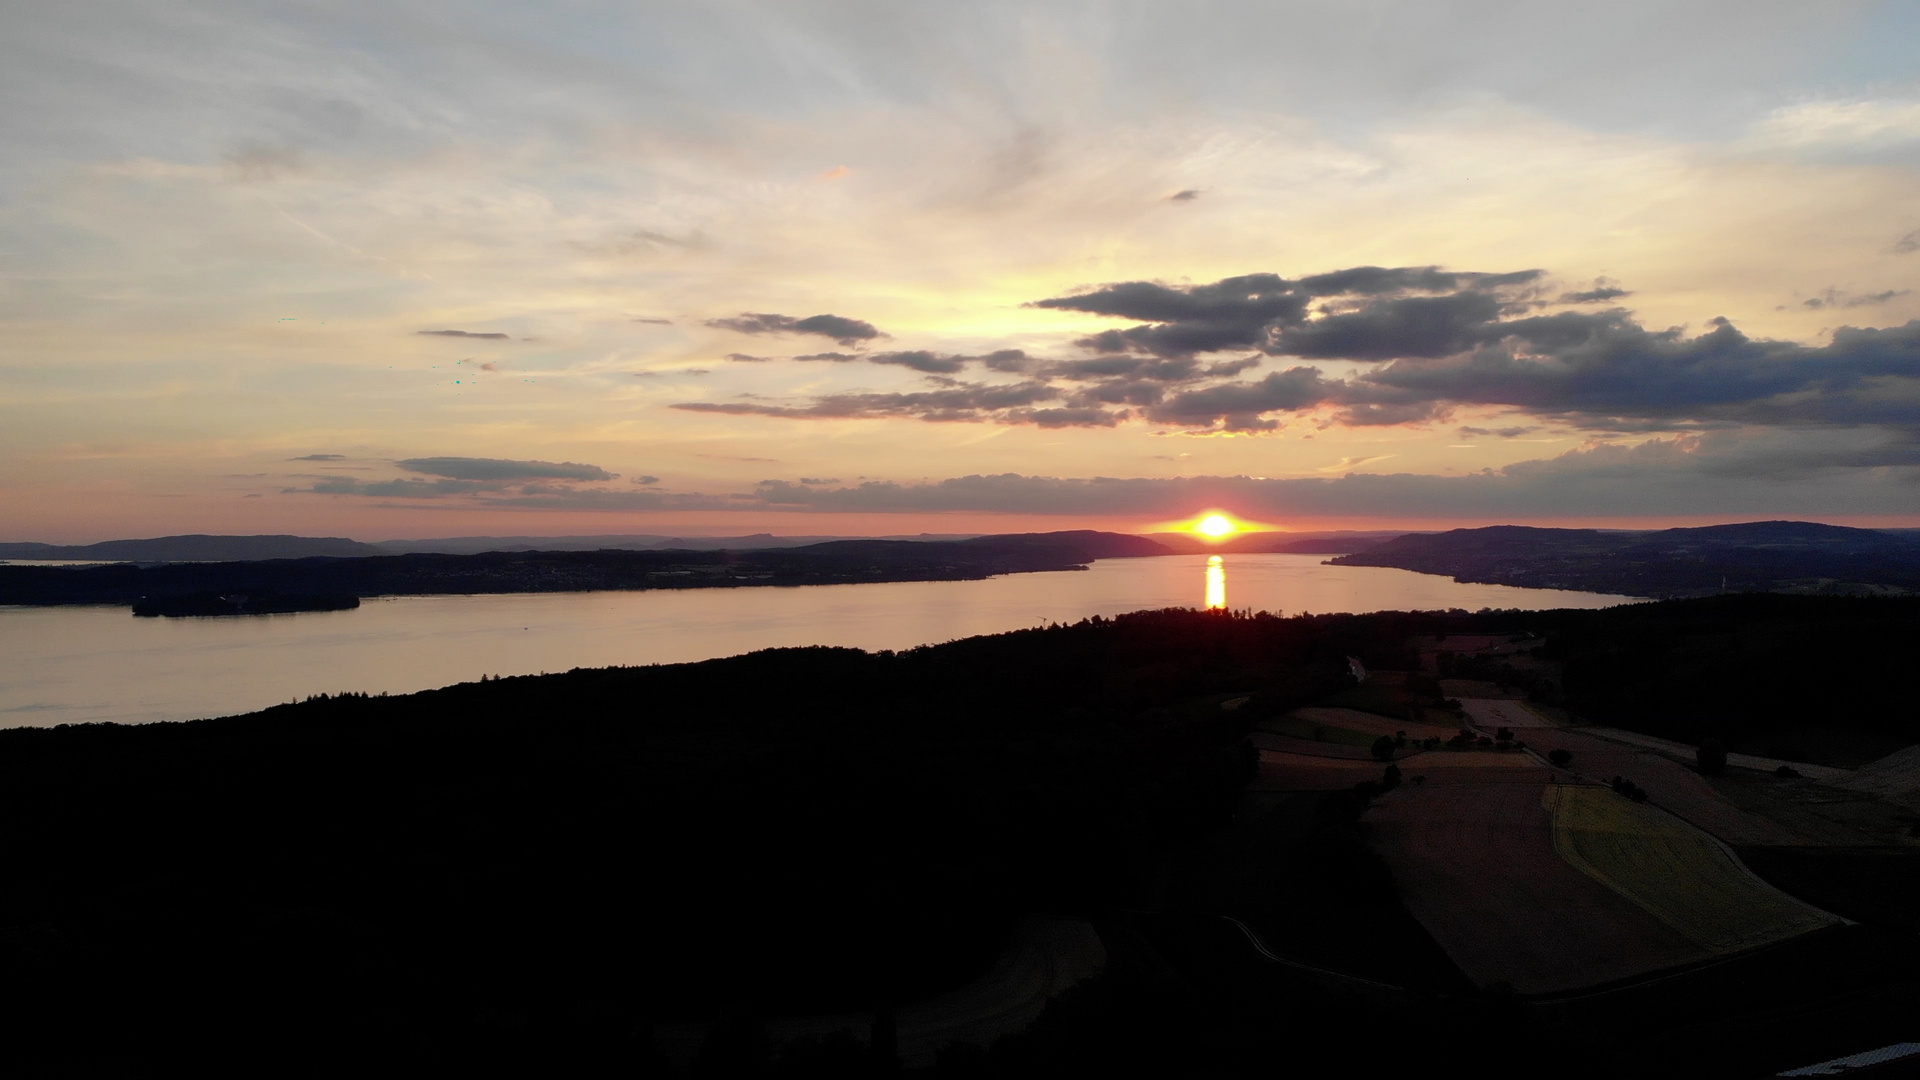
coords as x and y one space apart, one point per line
848 332
1431 340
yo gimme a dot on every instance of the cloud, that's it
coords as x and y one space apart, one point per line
320 457
1188 195
1006 403
846 331
655 322
463 334
485 469
1724 474
1907 244
645 481
830 357
1599 294
811 481
922 360
1838 298
1274 314
1504 432
747 358
1430 341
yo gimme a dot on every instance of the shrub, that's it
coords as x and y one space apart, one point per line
1560 758
1383 747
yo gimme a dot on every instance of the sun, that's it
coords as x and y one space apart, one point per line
1217 526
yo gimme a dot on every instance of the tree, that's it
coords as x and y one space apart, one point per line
1390 779
1383 748
1560 758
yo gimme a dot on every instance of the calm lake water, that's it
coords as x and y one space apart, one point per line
76 664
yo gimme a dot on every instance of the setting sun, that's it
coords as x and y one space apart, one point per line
1216 526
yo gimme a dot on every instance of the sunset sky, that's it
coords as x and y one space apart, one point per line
409 270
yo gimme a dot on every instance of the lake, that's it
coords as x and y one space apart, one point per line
76 664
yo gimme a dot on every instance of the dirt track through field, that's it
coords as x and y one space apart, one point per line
1475 864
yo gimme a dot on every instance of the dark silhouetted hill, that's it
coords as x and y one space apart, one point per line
197 547
836 562
1795 556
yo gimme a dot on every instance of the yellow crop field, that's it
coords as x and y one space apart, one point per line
1673 871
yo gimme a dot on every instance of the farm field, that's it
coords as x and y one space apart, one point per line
1295 726
1475 863
1478 688
1816 812
1370 724
1669 784
1673 871
1281 771
1312 748
1494 713
1475 759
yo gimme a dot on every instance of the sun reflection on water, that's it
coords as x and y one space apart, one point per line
1216 584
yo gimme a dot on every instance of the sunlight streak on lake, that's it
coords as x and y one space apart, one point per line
76 664
1216 584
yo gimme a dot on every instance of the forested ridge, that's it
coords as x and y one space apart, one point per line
525 873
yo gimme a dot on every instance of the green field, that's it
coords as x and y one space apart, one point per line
1673 871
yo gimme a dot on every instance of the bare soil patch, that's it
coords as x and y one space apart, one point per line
1475 864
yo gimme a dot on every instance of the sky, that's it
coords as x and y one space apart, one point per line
390 270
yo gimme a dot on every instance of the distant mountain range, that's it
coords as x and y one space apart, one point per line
1764 556
323 583
202 548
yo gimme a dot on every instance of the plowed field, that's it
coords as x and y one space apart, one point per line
1672 871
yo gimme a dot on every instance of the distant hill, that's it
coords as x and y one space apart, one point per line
471 545
197 547
1294 543
167 587
1765 556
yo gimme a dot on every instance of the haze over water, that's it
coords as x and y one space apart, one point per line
80 664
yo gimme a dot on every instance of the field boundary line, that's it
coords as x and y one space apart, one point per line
1260 946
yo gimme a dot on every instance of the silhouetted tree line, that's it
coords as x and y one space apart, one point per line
1720 666
169 585
494 869
520 876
